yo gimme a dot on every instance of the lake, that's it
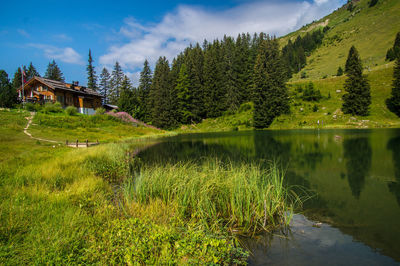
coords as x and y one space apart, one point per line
353 176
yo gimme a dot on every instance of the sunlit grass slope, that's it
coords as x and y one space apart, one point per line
371 29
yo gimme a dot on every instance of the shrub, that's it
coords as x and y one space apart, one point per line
315 108
71 110
100 111
52 108
303 75
245 107
30 107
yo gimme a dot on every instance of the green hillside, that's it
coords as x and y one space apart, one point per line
371 29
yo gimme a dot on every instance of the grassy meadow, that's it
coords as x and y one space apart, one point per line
61 205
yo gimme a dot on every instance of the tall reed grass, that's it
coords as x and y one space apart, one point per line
243 198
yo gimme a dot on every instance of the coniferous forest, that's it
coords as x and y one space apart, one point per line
209 80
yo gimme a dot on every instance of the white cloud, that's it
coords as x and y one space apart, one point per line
188 24
67 55
23 33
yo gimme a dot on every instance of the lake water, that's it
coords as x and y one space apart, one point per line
354 217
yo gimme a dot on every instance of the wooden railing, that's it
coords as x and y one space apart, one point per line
76 144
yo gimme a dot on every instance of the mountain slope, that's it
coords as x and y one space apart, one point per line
371 29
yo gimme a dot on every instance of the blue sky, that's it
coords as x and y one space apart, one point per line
132 31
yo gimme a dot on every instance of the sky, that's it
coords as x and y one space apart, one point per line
131 31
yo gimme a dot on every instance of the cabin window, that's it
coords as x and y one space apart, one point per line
60 99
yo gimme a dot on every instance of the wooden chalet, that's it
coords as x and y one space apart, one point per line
43 90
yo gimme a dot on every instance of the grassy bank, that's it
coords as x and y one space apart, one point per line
61 205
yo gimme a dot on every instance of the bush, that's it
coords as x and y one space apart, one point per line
245 107
71 110
30 107
52 108
315 108
303 75
100 111
310 94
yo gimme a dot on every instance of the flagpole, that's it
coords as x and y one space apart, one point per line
22 82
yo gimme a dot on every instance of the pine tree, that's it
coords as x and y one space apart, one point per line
358 97
105 85
91 72
31 72
230 79
144 93
127 101
17 79
116 81
270 93
393 103
53 72
8 95
339 71
214 92
194 61
160 94
394 52
185 97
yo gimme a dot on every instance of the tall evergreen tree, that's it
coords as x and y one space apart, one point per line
105 85
194 61
358 97
185 97
91 72
17 79
270 93
8 94
160 94
229 76
53 72
393 103
214 92
394 52
144 93
127 101
116 82
31 72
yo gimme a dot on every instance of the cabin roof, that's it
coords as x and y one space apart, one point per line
58 85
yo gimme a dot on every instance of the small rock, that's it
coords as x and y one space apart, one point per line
301 109
334 116
352 118
338 91
323 108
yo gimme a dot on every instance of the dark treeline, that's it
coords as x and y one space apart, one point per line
295 53
208 80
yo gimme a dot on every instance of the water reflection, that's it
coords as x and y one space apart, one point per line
354 174
358 153
394 186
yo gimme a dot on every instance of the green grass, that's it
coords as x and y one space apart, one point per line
58 206
371 30
241 198
105 128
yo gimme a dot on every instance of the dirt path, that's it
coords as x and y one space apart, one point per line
30 135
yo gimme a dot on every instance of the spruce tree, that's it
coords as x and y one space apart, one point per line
17 79
91 72
229 76
116 82
144 93
393 103
127 101
160 94
53 72
339 71
31 72
105 85
8 94
185 97
270 94
394 52
358 97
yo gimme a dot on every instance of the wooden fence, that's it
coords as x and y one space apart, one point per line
77 144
